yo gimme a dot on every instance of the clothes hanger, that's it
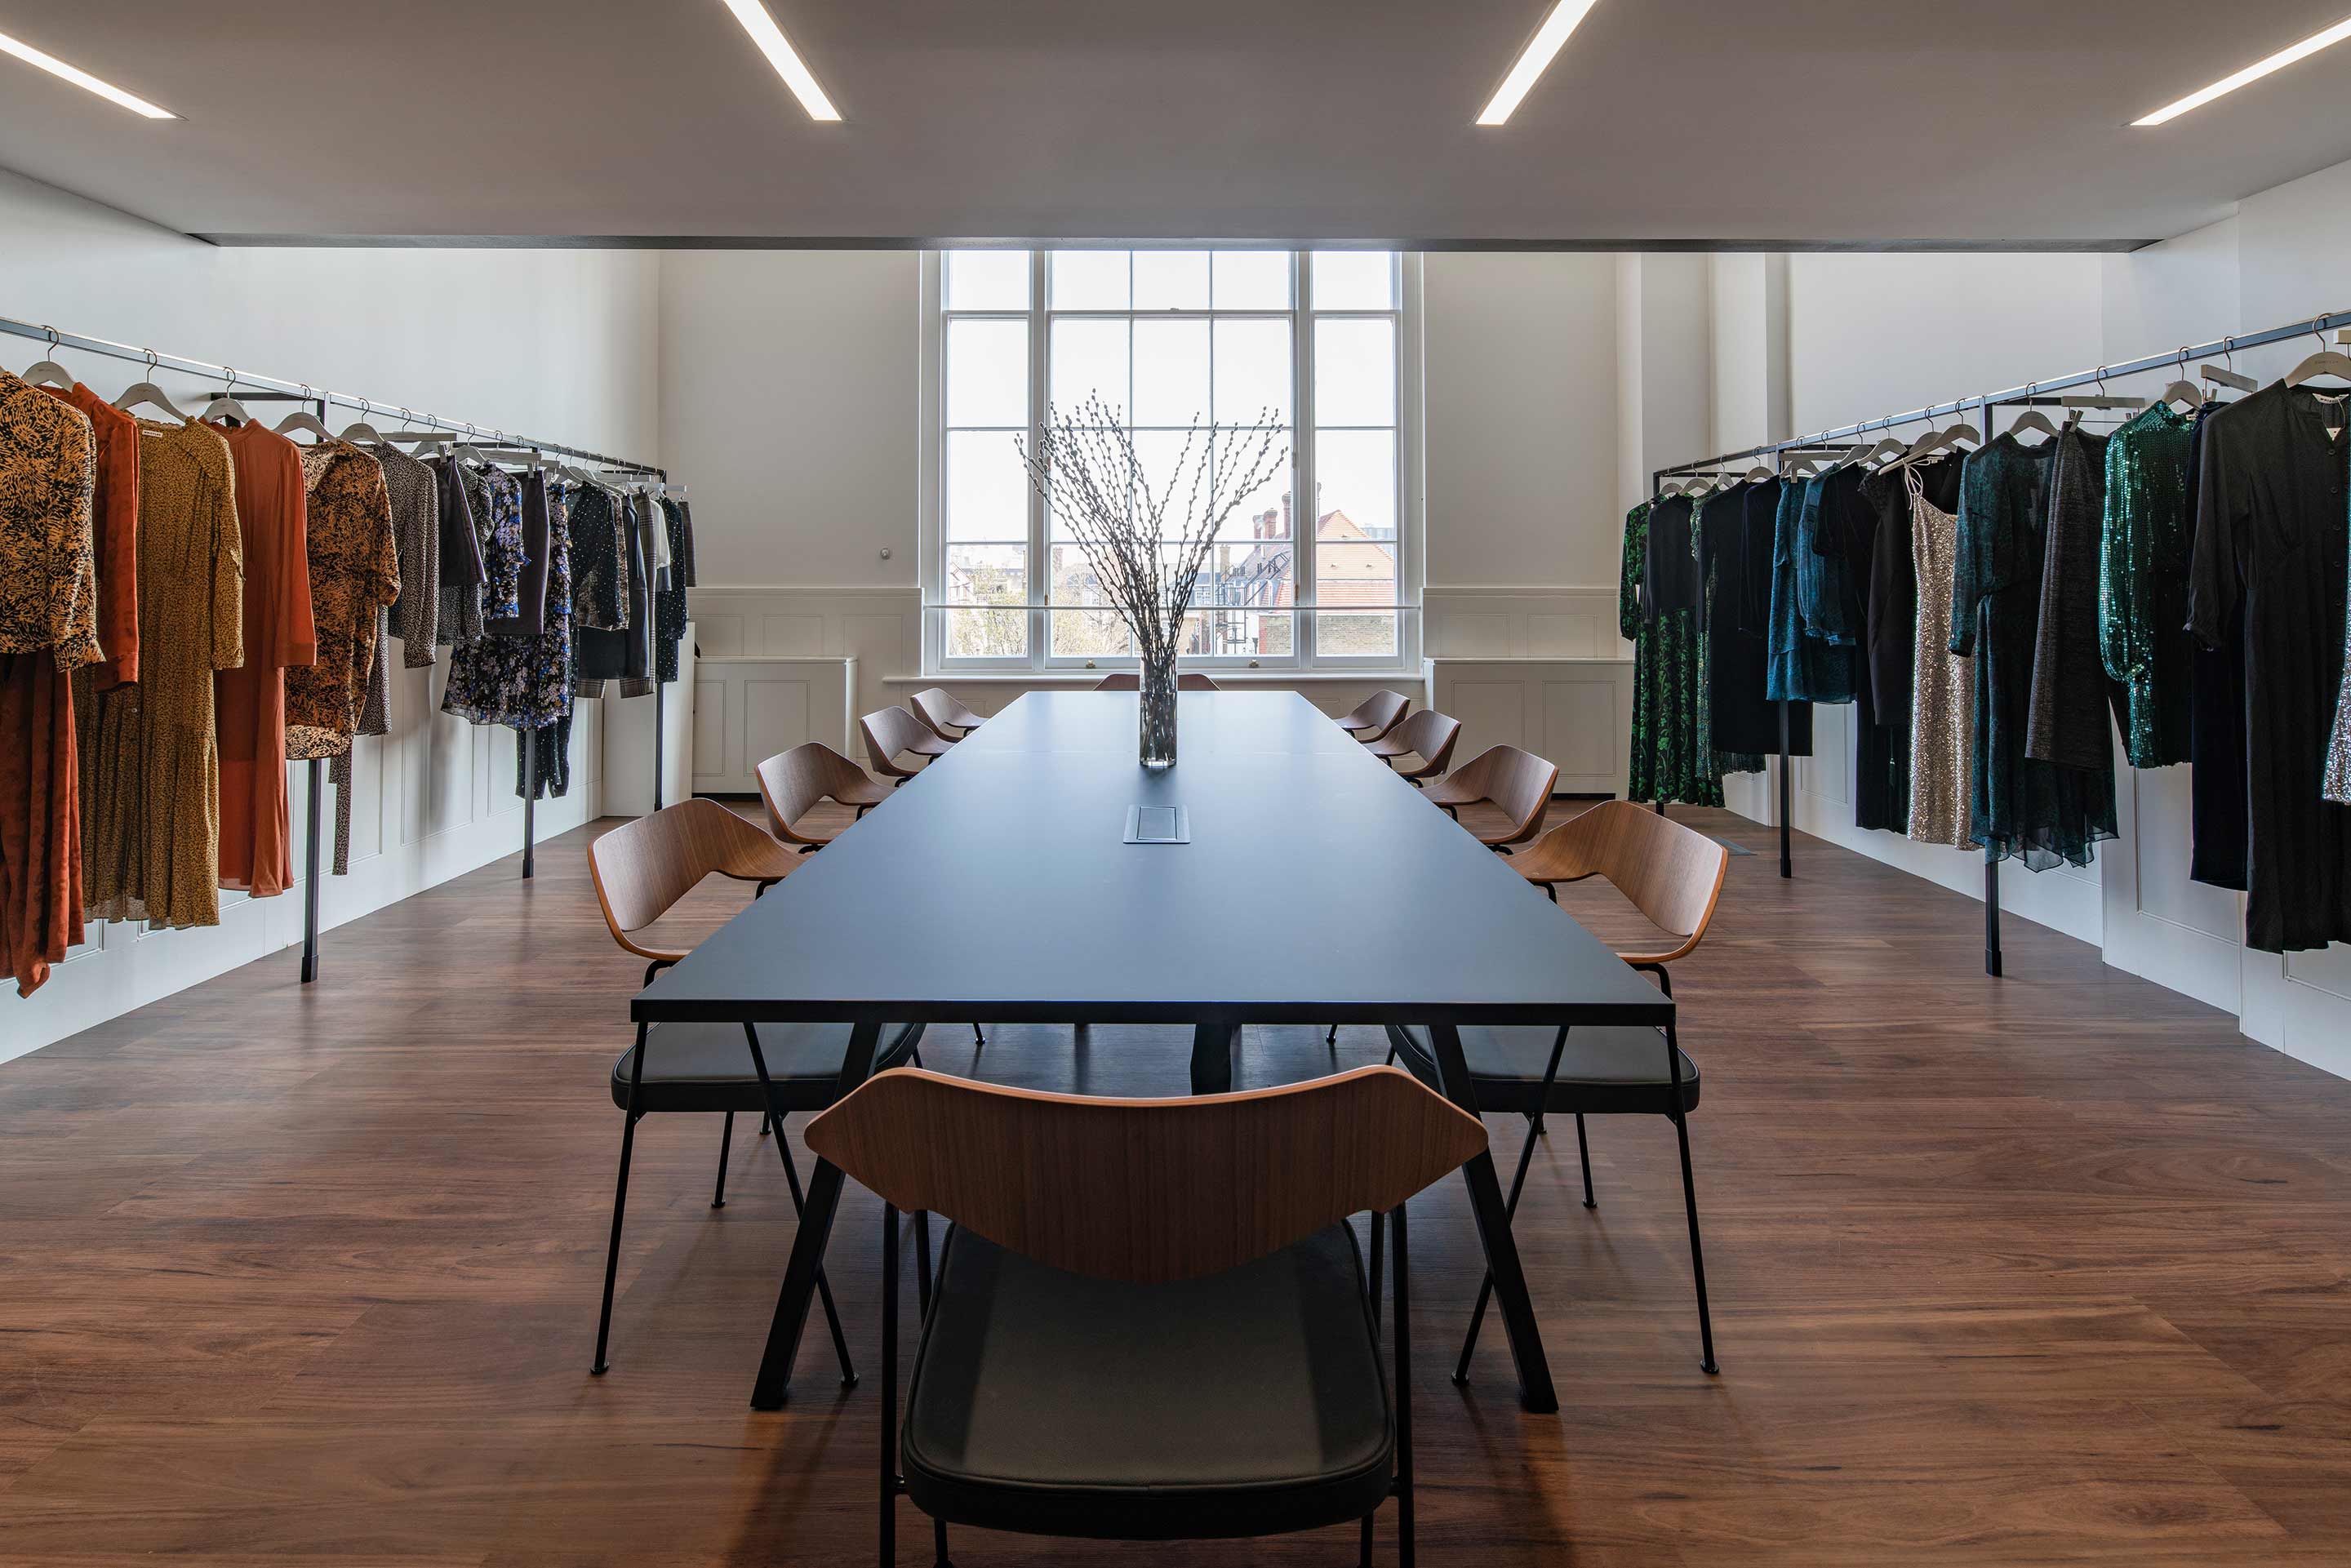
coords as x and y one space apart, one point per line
359 430
2032 418
148 393
2230 377
226 406
2077 402
49 372
303 419
2187 394
2325 362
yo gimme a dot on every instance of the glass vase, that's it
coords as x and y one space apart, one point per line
1158 737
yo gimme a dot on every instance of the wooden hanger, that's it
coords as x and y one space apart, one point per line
359 430
2033 419
2325 362
49 372
303 419
148 393
2230 376
226 406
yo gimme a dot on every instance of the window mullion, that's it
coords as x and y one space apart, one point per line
1302 514
1040 621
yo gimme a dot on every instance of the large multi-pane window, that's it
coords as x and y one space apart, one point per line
1309 342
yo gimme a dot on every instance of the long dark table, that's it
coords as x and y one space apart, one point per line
997 886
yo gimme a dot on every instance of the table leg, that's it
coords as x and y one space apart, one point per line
807 1246
1212 1057
1535 1391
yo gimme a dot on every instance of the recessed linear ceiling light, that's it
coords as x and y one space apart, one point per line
2251 73
780 55
81 78
1547 42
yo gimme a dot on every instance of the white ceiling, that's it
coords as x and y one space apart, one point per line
2000 122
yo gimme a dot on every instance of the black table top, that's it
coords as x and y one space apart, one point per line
997 886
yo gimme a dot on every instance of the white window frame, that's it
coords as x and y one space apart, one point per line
1304 658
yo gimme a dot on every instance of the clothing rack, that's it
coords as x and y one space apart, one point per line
239 383
2031 393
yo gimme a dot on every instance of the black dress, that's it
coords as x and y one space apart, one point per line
1893 597
1734 546
1881 746
2216 728
2072 693
2040 812
2270 524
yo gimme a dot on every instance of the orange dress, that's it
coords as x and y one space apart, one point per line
256 844
151 762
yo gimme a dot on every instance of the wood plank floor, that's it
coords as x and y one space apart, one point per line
2047 1269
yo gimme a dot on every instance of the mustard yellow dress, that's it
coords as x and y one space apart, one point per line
150 753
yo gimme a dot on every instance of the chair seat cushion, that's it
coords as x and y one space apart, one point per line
1245 1403
1604 1070
707 1066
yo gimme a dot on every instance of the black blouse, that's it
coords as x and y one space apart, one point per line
2271 525
1669 577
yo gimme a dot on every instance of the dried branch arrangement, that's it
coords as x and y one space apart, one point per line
1085 466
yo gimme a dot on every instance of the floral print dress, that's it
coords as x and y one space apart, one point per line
1672 760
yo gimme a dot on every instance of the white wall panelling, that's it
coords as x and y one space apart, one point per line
629 741
749 709
1574 712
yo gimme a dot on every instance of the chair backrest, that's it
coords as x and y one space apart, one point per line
1128 681
1378 713
643 868
1145 1190
938 706
1518 781
888 731
792 782
1669 871
1428 734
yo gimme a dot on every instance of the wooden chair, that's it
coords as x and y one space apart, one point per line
1375 716
948 718
1182 1344
792 782
1673 875
1420 747
1515 783
894 733
641 870
1128 681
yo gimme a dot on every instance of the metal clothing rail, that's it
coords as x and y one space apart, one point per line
1982 405
234 379
258 387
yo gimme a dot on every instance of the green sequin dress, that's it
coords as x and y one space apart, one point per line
1672 760
2143 583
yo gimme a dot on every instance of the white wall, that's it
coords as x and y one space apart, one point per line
559 344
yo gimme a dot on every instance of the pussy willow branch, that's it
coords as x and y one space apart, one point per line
1086 467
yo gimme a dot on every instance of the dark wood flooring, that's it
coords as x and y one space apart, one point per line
2045 1269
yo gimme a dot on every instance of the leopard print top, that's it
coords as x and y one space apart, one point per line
48 570
354 574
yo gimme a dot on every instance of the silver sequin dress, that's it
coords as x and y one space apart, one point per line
1942 698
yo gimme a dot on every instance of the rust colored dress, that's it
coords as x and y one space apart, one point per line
151 761
255 845
354 576
114 532
46 479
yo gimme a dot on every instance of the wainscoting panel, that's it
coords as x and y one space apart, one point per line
747 709
1571 711
1523 621
879 627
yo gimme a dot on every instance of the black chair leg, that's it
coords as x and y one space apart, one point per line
1363 1557
612 1255
1583 1152
725 1141
939 1542
1379 1225
978 1043
888 1522
1697 1255
1403 1291
1332 1039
